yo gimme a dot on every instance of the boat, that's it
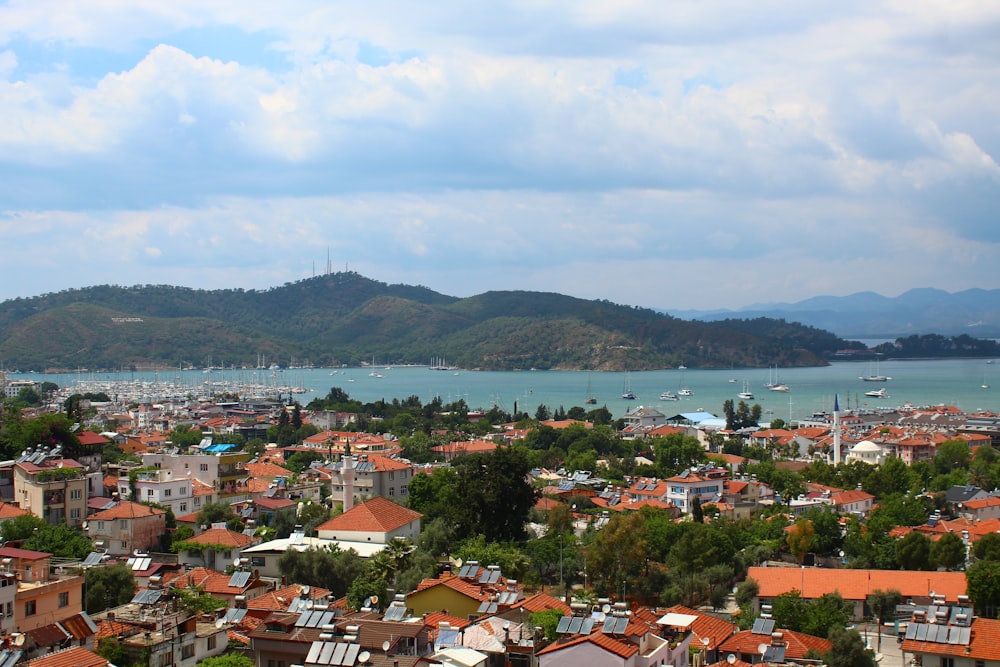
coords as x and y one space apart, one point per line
669 396
627 393
774 383
877 393
746 393
875 376
779 387
685 392
590 400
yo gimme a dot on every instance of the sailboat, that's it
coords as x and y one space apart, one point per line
590 400
774 384
683 391
627 389
875 376
985 385
375 373
746 393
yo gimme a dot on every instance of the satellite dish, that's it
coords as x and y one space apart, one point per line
731 658
386 645
364 657
605 608
762 648
220 622
601 617
374 600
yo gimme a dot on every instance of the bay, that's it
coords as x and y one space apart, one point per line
956 382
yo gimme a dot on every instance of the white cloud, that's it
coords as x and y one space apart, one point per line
517 145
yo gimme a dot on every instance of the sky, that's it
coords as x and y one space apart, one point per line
690 154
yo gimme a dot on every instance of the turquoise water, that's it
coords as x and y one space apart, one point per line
926 382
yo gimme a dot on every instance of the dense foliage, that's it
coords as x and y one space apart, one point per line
345 318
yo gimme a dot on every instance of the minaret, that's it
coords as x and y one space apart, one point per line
347 470
836 430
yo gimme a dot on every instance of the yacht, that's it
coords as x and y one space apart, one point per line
685 392
877 393
669 396
746 394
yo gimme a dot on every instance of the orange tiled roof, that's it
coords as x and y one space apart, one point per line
71 657
200 488
9 511
267 469
457 584
378 514
112 629
982 503
466 447
89 438
431 620
127 509
706 626
544 602
622 649
983 645
224 537
209 580
565 423
280 599
856 584
797 644
851 496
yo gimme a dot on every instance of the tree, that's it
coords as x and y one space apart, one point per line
847 650
983 586
495 494
914 552
108 586
987 547
224 660
827 611
801 538
331 568
789 610
217 512
697 513
883 606
949 551
61 541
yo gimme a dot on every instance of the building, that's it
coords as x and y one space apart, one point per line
706 484
374 475
221 470
127 527
958 642
51 488
779 646
854 585
867 451
161 487
377 521
43 595
215 548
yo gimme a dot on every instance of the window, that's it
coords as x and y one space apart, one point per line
211 642
100 525
258 561
75 494
74 513
187 651
947 662
402 490
29 608
203 467
392 491
184 507
64 599
123 524
167 493
149 493
392 475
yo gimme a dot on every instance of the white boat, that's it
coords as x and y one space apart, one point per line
627 389
876 375
779 387
685 392
669 396
746 394
877 393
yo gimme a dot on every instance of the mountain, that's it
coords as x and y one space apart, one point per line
345 318
975 312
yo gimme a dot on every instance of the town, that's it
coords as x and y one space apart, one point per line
172 530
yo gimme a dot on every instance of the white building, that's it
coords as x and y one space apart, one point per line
706 485
162 487
867 451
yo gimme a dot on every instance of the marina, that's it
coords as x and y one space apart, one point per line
963 383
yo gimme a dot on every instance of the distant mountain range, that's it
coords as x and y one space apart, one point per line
345 318
867 315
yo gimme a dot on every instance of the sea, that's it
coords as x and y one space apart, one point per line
972 385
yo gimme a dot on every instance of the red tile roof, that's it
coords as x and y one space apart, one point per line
267 469
457 584
89 438
127 509
224 537
622 649
544 602
280 599
71 657
23 554
209 580
9 511
797 644
376 515
984 643
714 629
856 584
